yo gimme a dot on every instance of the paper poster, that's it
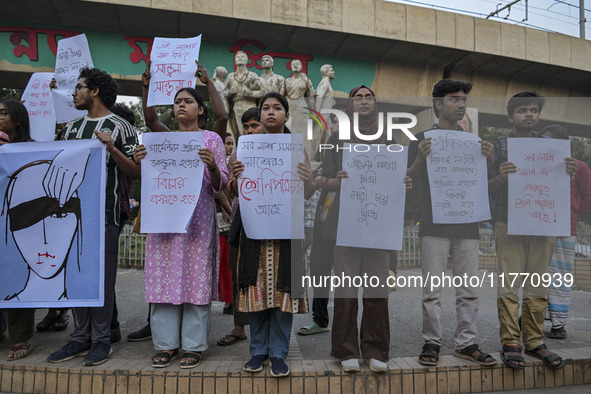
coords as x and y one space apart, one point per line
457 177
539 192
38 100
52 225
72 56
371 212
173 67
270 190
172 174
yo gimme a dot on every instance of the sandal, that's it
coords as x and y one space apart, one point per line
24 347
60 322
512 348
195 358
558 333
168 357
46 323
311 329
232 340
468 351
429 350
549 359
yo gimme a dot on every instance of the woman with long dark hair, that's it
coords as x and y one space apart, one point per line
265 266
14 127
181 270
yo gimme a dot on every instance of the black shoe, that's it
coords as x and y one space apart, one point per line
140 335
115 335
279 368
98 354
68 352
255 364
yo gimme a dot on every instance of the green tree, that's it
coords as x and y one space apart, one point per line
11 93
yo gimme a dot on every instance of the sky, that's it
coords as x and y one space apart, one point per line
561 16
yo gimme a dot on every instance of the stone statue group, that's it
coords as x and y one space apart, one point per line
242 88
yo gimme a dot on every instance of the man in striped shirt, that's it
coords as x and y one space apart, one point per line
96 92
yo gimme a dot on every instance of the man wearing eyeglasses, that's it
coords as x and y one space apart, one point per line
438 241
96 92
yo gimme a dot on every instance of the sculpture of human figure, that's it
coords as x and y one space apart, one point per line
219 82
300 94
271 82
324 100
242 90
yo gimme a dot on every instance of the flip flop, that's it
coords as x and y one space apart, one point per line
549 359
558 333
168 358
235 338
60 323
194 356
16 348
311 329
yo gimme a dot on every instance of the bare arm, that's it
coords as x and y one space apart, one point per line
219 110
419 162
126 165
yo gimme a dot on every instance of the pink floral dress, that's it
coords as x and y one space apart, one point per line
182 268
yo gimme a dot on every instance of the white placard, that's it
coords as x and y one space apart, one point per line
38 99
457 177
539 192
172 175
73 55
371 212
270 190
173 67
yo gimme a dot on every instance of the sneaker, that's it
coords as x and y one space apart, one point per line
351 365
115 335
140 335
279 368
256 363
377 365
68 352
98 354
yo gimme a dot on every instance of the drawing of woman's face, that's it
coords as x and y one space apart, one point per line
43 231
47 258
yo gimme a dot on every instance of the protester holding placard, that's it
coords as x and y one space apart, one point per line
14 127
520 253
265 268
251 124
563 259
181 271
354 261
438 240
96 91
219 127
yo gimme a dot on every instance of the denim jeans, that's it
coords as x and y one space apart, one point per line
270 331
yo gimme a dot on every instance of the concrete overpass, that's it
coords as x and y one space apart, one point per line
400 50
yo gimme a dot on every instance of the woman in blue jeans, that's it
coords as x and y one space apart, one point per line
265 266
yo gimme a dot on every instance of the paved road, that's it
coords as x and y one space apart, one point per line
405 325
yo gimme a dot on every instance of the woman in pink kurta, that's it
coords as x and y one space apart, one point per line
181 272
181 268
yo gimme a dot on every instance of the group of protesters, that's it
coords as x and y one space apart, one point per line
185 272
